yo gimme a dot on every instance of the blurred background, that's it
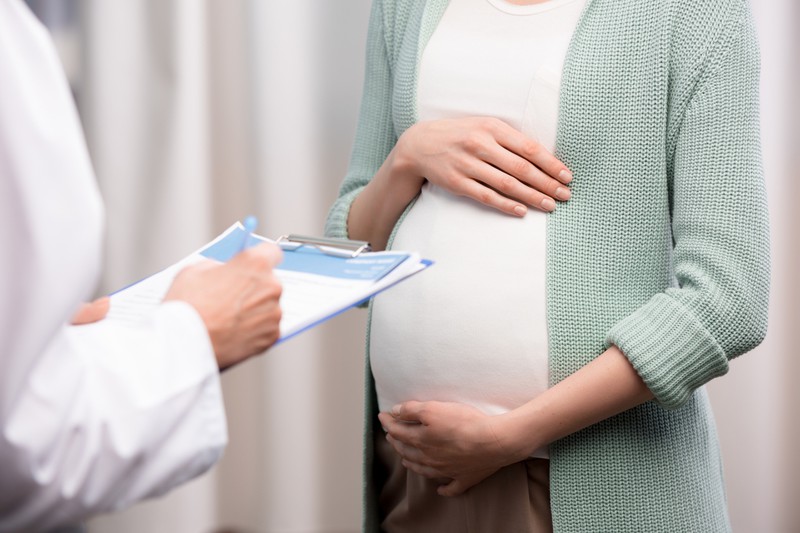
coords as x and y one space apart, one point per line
200 112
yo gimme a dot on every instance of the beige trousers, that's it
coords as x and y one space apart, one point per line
513 499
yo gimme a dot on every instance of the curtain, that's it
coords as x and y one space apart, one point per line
200 112
757 403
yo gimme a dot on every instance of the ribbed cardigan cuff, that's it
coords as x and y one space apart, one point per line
336 225
669 348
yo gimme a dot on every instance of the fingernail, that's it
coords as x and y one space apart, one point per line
520 210
384 429
548 204
396 410
565 176
562 193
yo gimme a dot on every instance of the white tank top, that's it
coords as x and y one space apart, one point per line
473 328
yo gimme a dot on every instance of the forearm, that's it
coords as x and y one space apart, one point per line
605 387
111 415
377 208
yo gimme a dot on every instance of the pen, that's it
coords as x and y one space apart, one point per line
250 224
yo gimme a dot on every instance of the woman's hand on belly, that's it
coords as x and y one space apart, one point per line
447 440
460 443
480 158
487 160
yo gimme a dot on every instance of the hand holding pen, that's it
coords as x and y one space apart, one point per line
237 300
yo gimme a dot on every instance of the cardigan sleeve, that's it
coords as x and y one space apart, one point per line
375 134
685 336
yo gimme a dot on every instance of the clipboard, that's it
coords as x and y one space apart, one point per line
321 277
335 247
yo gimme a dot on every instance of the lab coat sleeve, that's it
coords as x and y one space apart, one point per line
92 418
112 414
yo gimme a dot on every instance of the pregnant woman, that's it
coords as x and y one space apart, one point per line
586 175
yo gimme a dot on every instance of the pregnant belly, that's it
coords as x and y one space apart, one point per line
472 328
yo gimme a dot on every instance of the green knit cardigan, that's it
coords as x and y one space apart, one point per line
662 250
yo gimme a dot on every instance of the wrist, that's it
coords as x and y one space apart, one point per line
404 164
517 435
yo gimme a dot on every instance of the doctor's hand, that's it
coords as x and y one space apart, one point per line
448 441
238 301
91 312
487 160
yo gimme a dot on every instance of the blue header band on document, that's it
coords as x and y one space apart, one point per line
310 260
313 261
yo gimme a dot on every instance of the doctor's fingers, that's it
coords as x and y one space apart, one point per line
255 265
261 296
91 312
263 338
247 330
262 315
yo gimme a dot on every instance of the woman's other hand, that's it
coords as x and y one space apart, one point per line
448 441
487 160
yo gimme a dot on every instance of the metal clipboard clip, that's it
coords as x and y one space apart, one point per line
336 247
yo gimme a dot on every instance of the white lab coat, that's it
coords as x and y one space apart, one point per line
93 417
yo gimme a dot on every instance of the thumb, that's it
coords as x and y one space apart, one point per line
91 312
454 488
411 411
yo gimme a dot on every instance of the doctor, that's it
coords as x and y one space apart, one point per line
98 416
